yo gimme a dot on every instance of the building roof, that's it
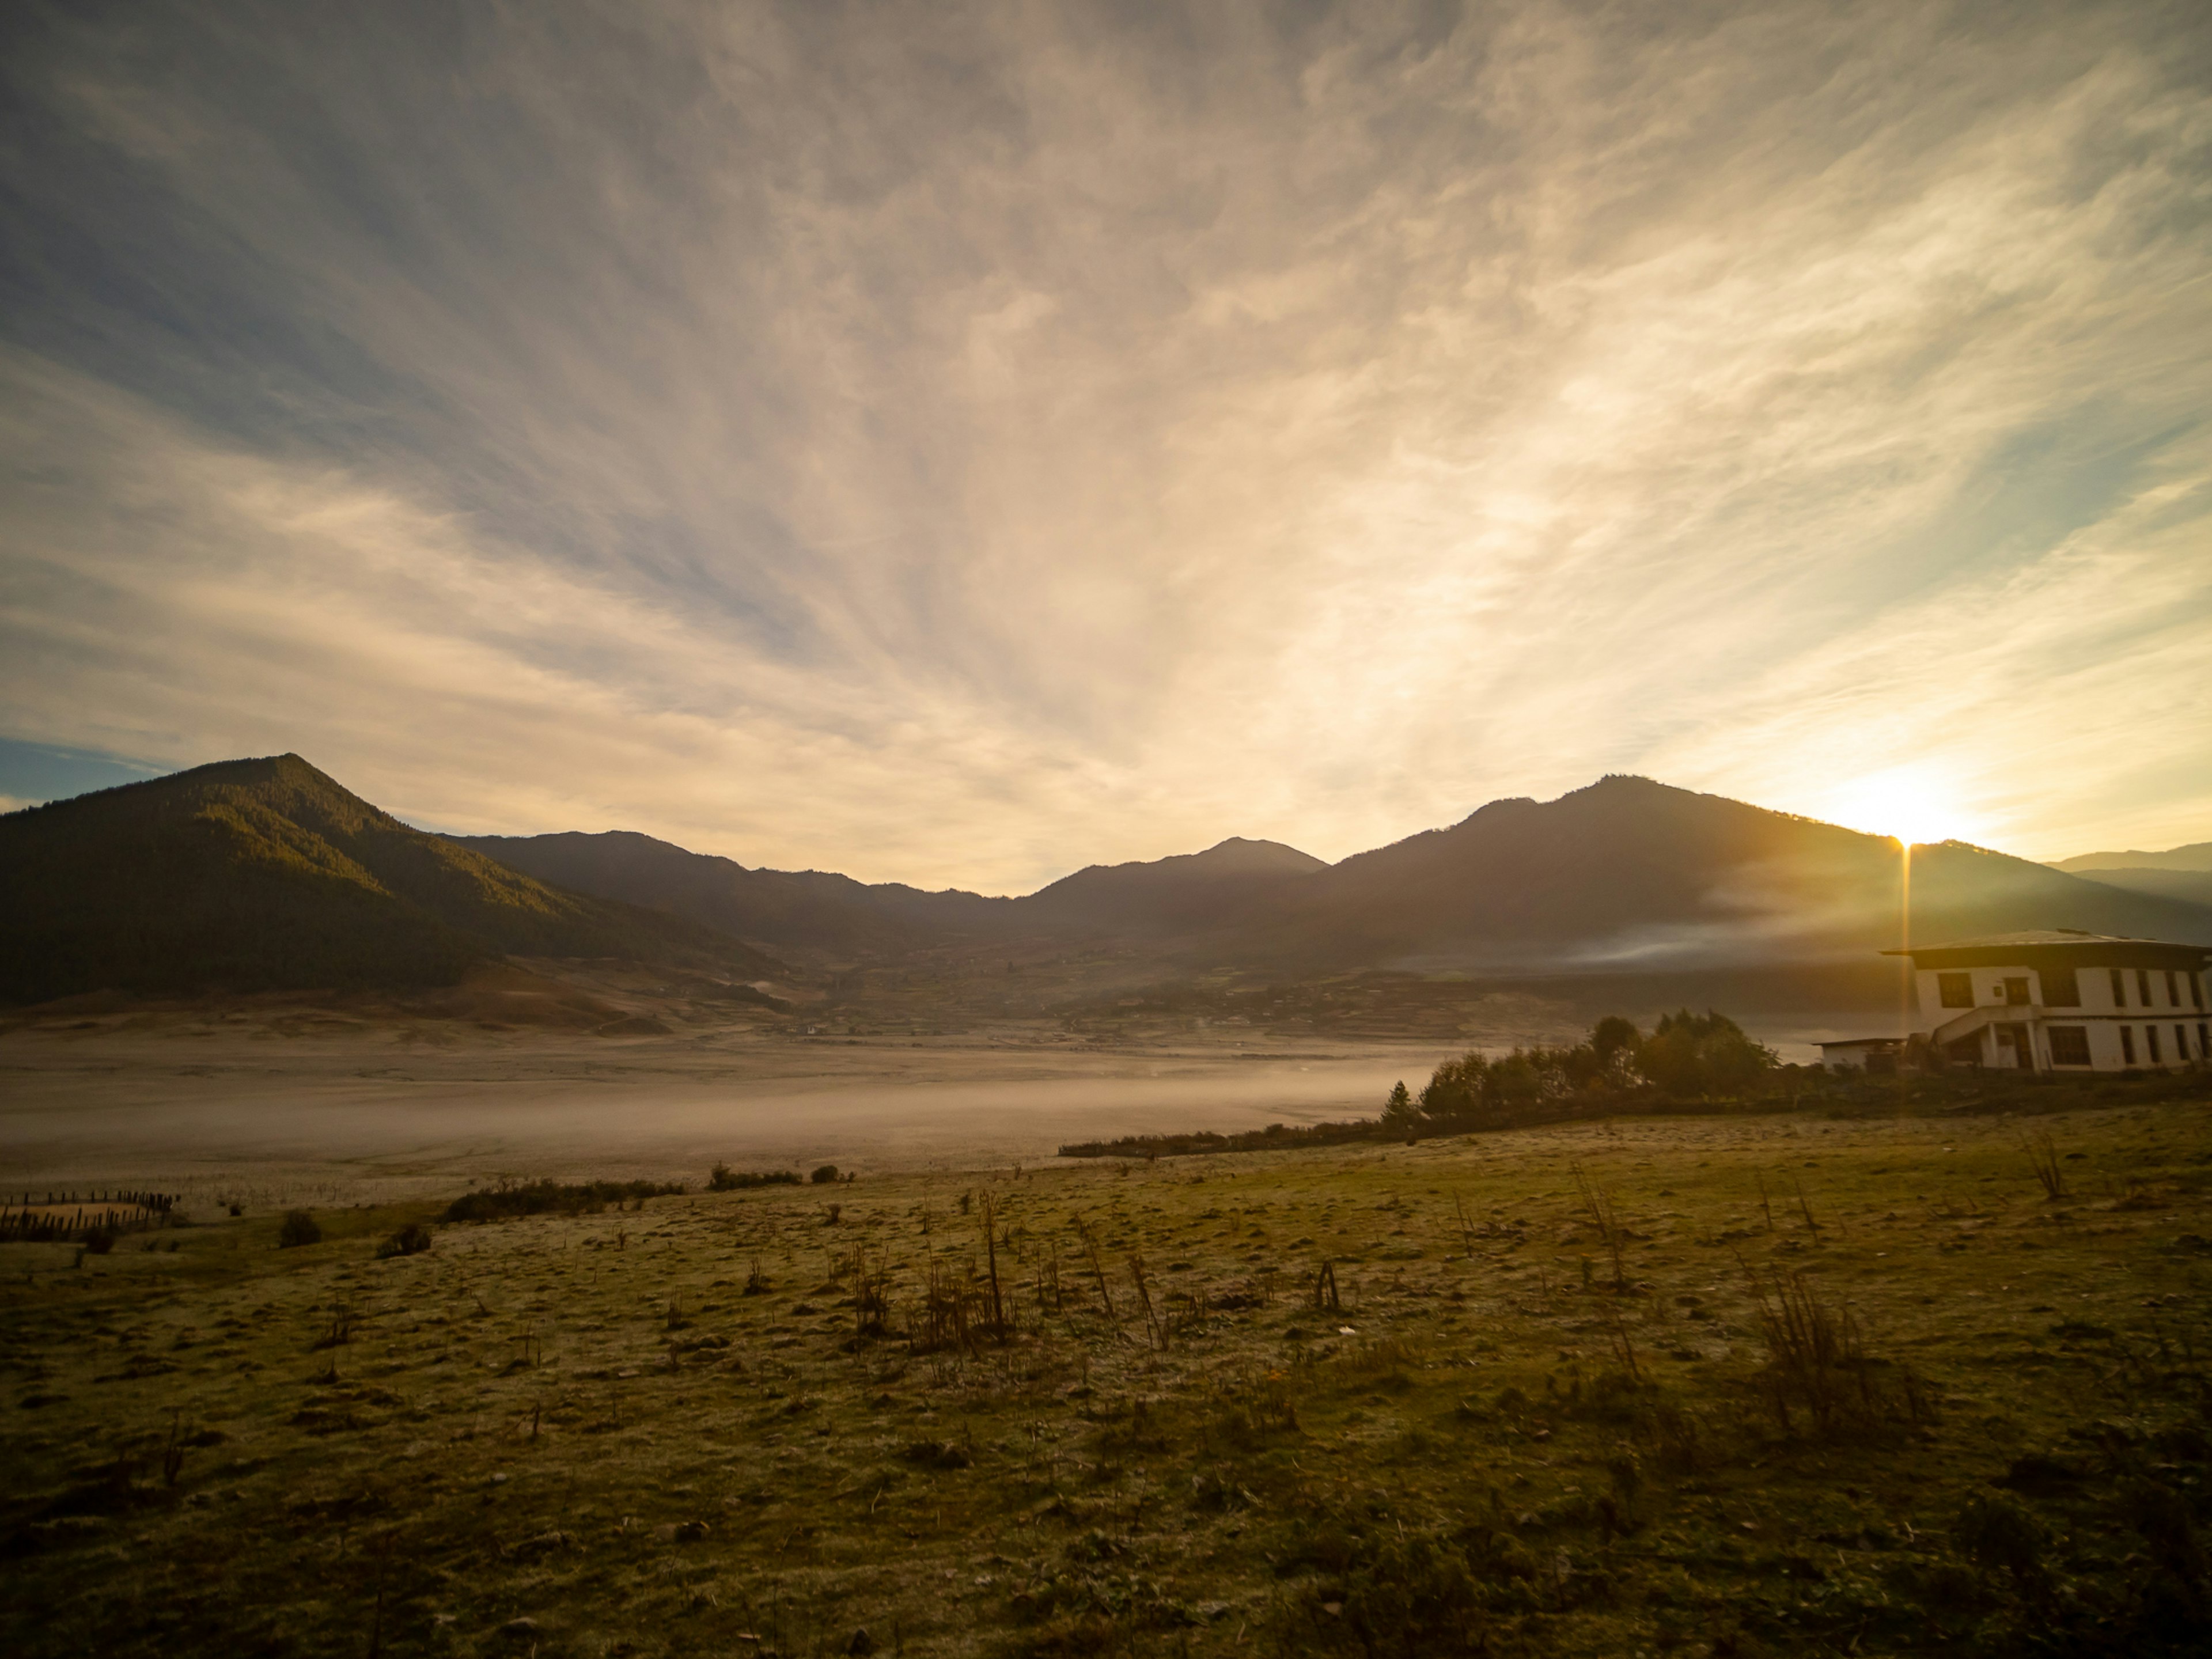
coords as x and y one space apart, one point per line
2034 936
2123 949
1862 1042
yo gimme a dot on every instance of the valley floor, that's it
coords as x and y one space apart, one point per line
1774 1385
230 1105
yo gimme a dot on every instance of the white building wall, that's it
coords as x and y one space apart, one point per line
2098 1014
1989 992
2107 1051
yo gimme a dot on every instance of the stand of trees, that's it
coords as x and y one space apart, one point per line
1686 1057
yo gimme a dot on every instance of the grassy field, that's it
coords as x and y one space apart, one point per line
1775 1385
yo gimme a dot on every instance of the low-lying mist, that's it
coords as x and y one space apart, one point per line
437 1122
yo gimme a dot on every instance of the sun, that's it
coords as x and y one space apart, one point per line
1905 803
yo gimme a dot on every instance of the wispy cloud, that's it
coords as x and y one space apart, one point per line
955 447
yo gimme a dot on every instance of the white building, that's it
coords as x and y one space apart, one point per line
2063 1001
1878 1054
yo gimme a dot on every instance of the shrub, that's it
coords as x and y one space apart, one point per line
1677 1440
300 1228
1993 1532
1415 1595
723 1179
99 1240
825 1174
340 1331
938 1455
1274 1138
564 1198
412 1239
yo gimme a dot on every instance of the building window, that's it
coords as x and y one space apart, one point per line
2016 993
2062 987
2203 1040
2142 986
2181 1041
2196 993
1955 990
2119 989
2173 990
2128 1045
2069 1045
2150 1042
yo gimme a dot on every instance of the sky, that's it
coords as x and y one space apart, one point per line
958 443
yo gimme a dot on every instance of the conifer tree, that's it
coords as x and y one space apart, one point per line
1398 1111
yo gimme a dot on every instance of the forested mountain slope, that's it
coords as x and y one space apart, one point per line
265 874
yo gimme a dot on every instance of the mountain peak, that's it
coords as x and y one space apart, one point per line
1239 856
267 874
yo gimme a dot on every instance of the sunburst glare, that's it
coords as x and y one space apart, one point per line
1911 803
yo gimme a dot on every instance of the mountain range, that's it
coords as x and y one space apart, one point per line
2197 856
2179 873
1625 874
258 874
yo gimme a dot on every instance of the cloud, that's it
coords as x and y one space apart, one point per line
958 448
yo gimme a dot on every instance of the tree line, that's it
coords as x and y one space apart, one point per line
1685 1057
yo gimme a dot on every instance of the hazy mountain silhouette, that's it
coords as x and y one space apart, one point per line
1625 875
1189 893
2197 855
803 910
2183 873
808 910
2190 886
812 911
265 874
1629 873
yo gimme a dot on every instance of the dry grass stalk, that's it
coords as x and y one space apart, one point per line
1098 1268
944 1309
1324 1295
1155 1331
1815 1352
2050 1172
1599 1208
871 1300
1616 1336
1806 1210
999 1327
